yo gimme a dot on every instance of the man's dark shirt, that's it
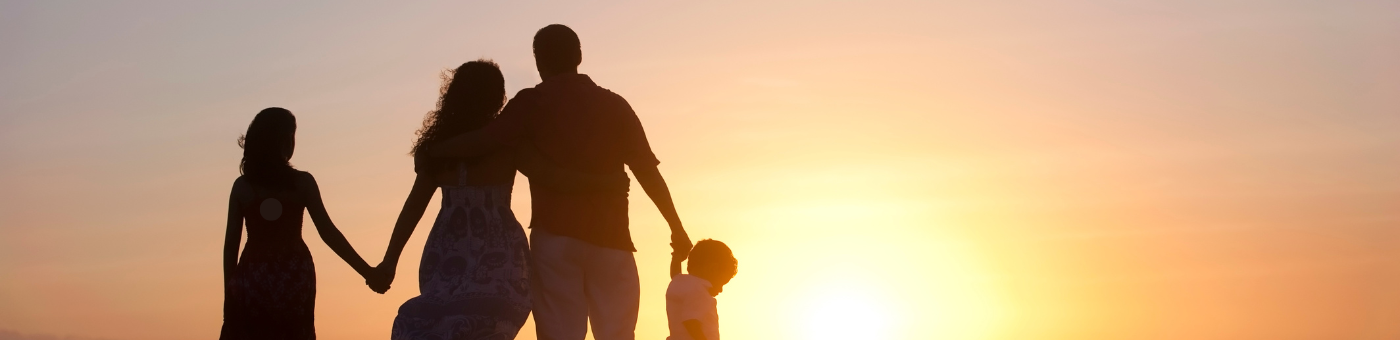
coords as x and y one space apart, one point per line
581 127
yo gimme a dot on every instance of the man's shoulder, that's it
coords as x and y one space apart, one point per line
578 91
526 94
608 95
598 92
611 102
526 100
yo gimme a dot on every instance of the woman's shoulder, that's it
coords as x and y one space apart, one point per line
245 184
304 179
422 163
242 189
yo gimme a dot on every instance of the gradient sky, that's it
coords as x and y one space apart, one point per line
1081 169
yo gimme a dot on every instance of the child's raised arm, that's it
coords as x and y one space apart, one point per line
329 233
676 264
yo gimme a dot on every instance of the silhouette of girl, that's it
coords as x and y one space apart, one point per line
473 278
270 292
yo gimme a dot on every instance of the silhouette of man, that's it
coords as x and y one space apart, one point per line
582 269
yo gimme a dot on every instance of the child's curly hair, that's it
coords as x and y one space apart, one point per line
712 260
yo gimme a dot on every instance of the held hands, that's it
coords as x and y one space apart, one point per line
380 277
680 250
676 265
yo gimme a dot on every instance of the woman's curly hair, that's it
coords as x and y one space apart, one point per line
471 96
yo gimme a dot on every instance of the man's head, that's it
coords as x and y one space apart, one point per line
557 51
713 261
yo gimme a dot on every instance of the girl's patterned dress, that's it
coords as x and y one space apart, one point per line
272 292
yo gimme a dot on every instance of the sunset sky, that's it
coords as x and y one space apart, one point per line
1082 169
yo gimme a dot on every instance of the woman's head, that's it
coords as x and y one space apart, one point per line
472 95
712 260
267 148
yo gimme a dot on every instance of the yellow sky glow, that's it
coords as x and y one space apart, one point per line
1086 170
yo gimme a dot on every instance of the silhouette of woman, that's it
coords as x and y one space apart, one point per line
473 278
270 292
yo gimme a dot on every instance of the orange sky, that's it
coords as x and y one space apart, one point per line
883 170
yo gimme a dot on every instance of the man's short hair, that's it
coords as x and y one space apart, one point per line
557 46
712 260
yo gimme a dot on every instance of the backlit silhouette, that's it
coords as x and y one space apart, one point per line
583 270
473 278
691 312
270 291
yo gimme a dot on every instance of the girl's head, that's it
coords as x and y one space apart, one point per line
267 149
471 97
712 260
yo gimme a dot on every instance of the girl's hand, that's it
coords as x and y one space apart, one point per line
380 278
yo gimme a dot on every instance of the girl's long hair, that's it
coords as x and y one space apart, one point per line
270 135
471 96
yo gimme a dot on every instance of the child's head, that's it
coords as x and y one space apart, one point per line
267 148
712 260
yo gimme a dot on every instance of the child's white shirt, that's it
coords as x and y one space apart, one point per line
688 298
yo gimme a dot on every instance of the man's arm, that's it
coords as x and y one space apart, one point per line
472 144
655 186
543 172
642 161
507 126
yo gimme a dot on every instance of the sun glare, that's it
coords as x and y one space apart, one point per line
848 314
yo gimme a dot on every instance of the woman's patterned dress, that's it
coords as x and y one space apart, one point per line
473 280
272 292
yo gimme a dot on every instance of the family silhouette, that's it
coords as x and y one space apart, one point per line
480 277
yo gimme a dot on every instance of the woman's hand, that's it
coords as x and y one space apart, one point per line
413 207
381 277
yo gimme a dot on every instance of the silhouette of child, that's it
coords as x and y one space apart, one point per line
690 299
270 291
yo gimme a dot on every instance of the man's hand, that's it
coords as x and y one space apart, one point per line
680 245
